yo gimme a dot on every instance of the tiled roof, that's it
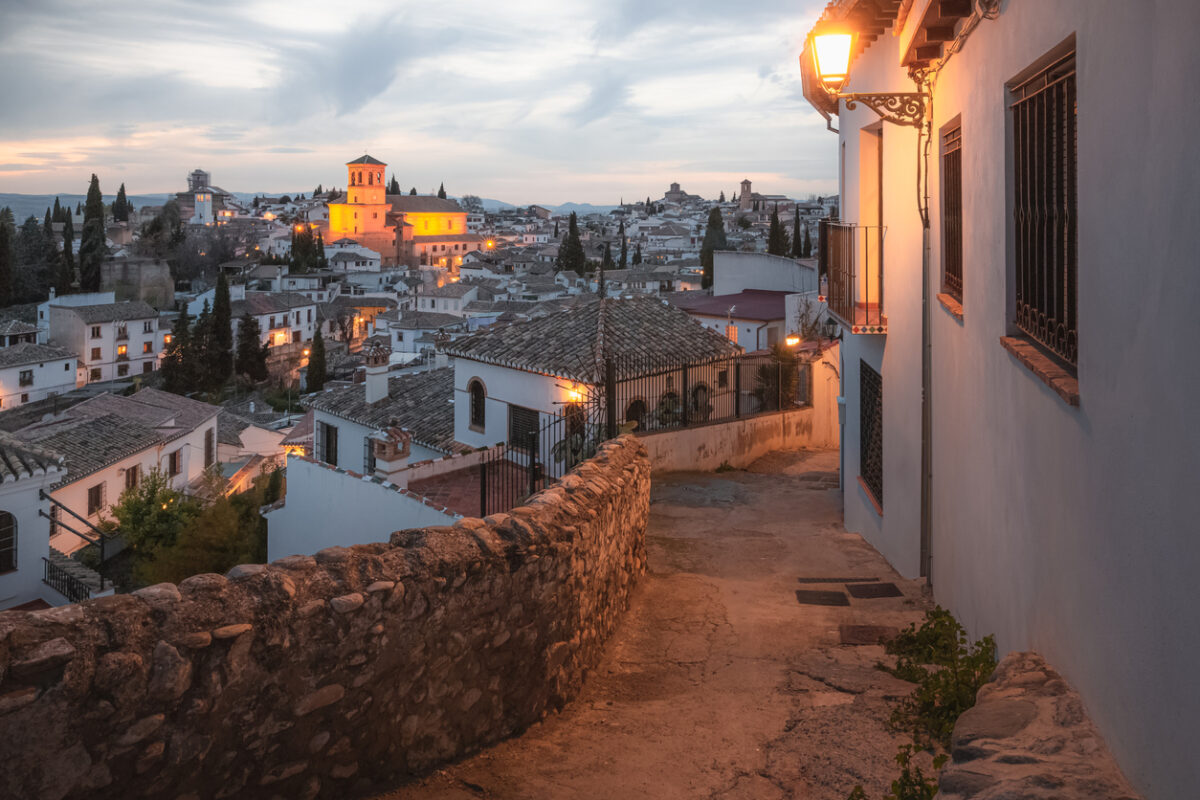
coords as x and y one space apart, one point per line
366 160
173 414
422 320
90 444
16 327
301 433
20 459
230 427
570 343
498 306
114 312
258 303
754 304
449 290
422 403
423 204
31 353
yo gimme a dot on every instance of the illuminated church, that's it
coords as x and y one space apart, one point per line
404 229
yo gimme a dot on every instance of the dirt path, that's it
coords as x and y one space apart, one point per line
719 683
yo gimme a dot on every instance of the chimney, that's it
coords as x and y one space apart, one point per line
376 354
392 448
440 340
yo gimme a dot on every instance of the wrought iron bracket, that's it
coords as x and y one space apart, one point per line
902 108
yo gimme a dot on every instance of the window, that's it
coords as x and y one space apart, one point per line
723 379
25 397
327 443
952 216
147 347
148 326
67 367
94 375
122 370
478 404
147 366
122 351
26 377
210 454
731 333
132 474
95 499
1044 206
8 542
368 455
95 354
95 331
271 324
310 315
870 432
174 463
522 428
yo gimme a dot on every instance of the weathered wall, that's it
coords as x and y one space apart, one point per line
327 675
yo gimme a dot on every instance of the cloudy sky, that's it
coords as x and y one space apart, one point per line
520 100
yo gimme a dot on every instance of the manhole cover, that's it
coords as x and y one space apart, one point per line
836 580
816 597
865 591
867 634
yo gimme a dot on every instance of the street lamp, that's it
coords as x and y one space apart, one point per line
832 48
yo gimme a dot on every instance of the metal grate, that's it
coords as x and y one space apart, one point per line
870 457
952 216
1045 189
851 263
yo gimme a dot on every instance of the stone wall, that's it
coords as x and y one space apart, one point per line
1028 736
327 675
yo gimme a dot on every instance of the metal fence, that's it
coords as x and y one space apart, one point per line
64 582
639 395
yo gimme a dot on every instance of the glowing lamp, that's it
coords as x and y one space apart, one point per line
167 339
792 341
306 352
490 244
831 57
574 395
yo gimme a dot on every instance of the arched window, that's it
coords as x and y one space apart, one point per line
636 412
478 403
8 542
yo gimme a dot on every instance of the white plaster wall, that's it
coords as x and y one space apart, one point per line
734 271
20 498
1064 530
325 507
504 387
49 377
751 334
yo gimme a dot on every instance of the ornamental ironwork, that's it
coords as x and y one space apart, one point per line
902 108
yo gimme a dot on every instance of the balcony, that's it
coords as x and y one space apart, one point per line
851 268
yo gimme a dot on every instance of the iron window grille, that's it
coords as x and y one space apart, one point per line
952 213
870 456
327 443
522 427
1044 209
368 455
478 401
8 542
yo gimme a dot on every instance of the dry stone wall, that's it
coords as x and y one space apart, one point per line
329 675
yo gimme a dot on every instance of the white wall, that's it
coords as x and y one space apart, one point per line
20 498
1063 530
504 387
325 507
735 271
50 377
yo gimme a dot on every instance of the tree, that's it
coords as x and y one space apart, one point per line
176 369
66 270
151 515
220 350
807 243
315 378
321 190
570 252
92 247
637 254
319 249
442 191
121 206
32 261
624 260
714 240
251 358
6 263
777 237
721 199
412 191
797 243
394 186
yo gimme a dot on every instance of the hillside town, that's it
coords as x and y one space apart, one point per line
847 464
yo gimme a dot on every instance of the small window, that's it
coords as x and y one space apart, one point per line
478 404
122 350
210 451
132 475
522 428
95 354
147 366
25 397
147 347
368 455
148 326
67 367
327 443
95 499
26 377
122 370
174 463
95 331
8 542
952 214
94 375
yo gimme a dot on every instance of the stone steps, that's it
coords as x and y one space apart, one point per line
86 575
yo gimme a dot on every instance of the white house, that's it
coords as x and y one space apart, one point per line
283 317
109 442
1053 506
407 330
734 271
754 319
30 372
447 299
81 299
112 340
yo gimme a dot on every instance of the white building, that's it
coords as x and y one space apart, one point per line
447 299
112 340
283 317
1063 446
30 372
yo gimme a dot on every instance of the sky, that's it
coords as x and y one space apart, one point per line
525 101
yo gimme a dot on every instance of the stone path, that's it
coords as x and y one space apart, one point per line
718 683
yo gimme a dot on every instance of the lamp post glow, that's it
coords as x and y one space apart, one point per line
831 58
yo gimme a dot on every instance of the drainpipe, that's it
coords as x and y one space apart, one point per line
756 335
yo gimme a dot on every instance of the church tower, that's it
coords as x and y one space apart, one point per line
746 199
362 213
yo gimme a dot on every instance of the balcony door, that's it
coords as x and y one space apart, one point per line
869 278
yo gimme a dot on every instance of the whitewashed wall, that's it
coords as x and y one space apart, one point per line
20 498
734 271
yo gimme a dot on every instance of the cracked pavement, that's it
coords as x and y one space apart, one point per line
718 683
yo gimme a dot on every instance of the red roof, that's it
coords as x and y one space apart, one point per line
752 304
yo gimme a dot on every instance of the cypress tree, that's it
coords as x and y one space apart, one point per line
92 248
316 377
442 191
78 208
198 357
777 238
319 246
120 206
221 345
714 239
251 358
637 254
797 244
570 252
412 191
66 270
606 262
6 263
175 366
58 210
721 199
556 229
319 190
807 243
624 261
394 186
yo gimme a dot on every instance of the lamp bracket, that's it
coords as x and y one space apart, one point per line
902 108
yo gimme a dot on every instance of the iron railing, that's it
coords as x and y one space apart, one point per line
952 215
1045 216
851 264
870 454
64 582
